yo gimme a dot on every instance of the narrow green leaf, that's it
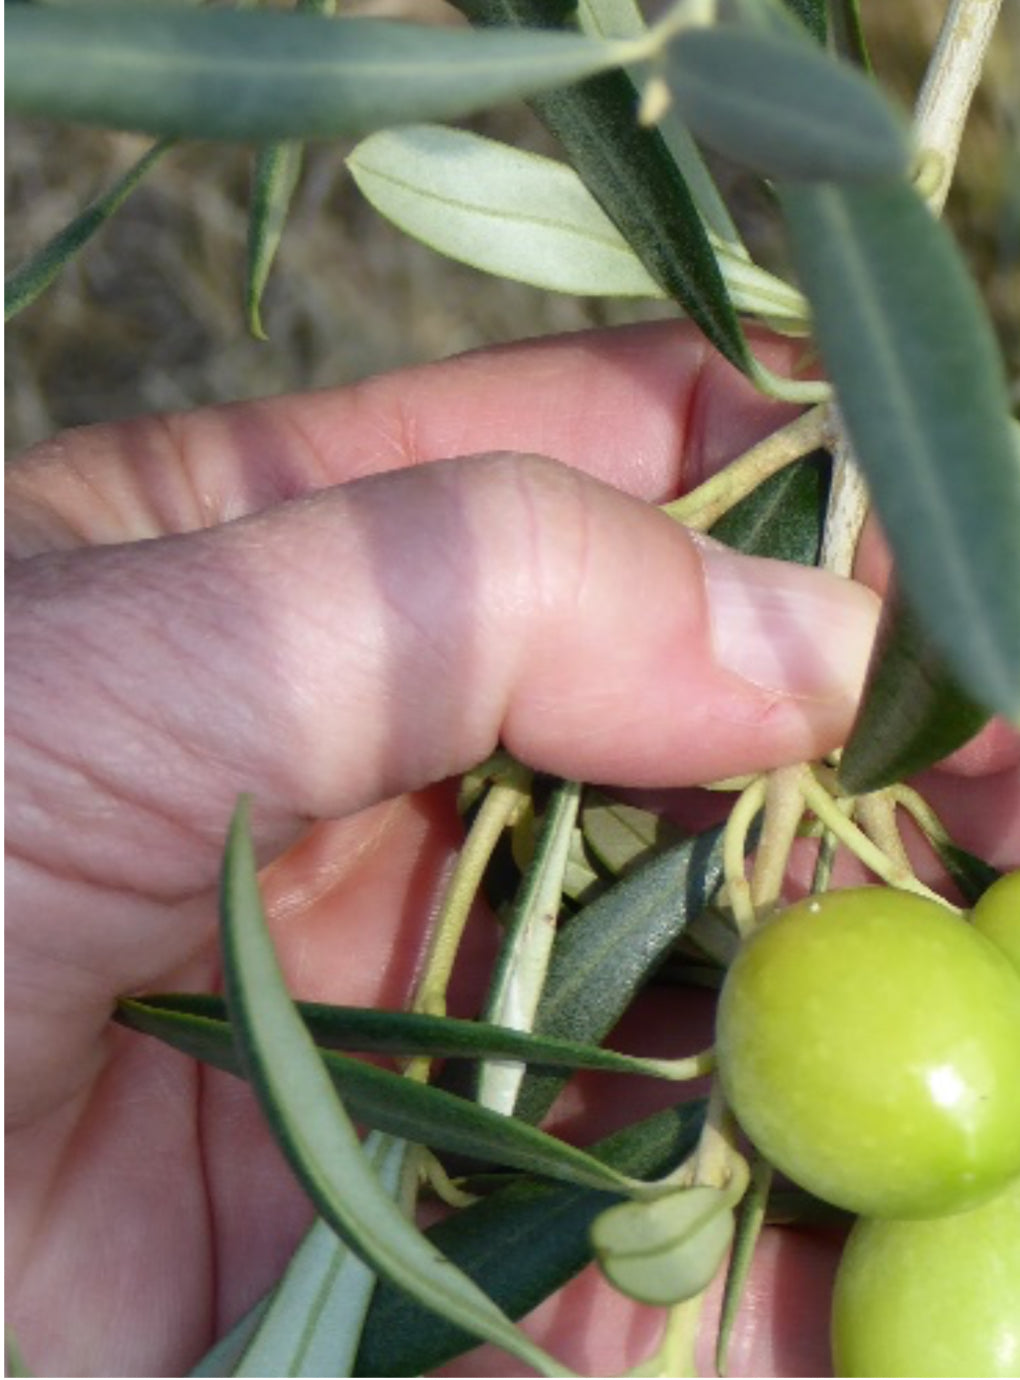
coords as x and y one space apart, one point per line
784 517
971 874
848 38
814 15
520 971
520 1246
313 1130
262 75
198 1021
623 19
582 880
276 174
226 1353
783 107
28 282
750 1218
379 1098
668 1250
605 953
621 835
921 388
633 176
913 712
313 1319
14 1361
499 209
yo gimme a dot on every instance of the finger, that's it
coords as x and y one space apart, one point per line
648 408
388 634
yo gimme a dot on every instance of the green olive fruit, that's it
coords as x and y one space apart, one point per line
868 1042
940 1297
997 916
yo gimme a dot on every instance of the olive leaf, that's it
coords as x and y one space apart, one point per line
621 835
914 712
520 972
633 175
921 389
498 208
400 1106
313 1131
276 174
263 75
784 517
606 952
814 15
520 1245
750 1218
312 1322
196 1022
32 278
783 107
665 1251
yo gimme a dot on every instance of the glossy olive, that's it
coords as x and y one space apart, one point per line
997 916
940 1297
869 1043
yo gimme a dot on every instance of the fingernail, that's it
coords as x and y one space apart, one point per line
787 628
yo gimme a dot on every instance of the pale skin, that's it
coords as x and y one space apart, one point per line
333 623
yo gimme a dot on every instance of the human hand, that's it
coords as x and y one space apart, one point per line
285 598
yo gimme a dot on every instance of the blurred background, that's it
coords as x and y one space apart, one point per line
150 315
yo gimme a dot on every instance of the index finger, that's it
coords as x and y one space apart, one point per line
650 409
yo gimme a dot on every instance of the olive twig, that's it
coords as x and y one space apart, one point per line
738 826
499 809
877 815
703 506
784 809
854 838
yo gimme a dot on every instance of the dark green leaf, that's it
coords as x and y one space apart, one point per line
813 14
312 1129
263 75
783 107
922 391
848 33
913 713
384 1100
197 1016
631 173
606 952
784 517
26 283
276 174
520 1246
277 169
971 874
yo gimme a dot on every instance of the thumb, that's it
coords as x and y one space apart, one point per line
379 636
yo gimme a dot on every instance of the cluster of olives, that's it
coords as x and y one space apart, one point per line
869 1044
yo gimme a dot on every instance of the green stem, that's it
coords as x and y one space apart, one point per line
703 506
497 811
738 826
784 809
854 838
